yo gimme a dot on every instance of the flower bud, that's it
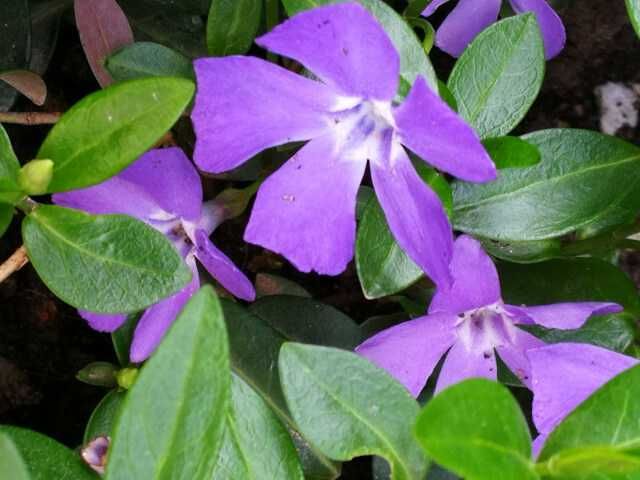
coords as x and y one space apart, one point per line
95 452
100 374
126 377
35 176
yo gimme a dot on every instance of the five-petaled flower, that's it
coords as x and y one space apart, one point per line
470 17
471 322
163 189
306 209
564 375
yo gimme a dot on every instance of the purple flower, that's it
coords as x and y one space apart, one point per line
306 210
471 322
162 188
565 375
470 17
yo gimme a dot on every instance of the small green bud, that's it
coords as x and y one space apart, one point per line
100 374
126 377
35 176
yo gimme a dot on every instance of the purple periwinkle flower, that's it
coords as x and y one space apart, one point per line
471 322
470 17
564 375
163 189
306 209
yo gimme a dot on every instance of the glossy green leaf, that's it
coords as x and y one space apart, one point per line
550 198
254 347
256 446
6 215
511 152
148 59
347 407
107 130
268 284
232 25
307 320
523 252
172 419
413 60
45 458
103 418
10 192
499 75
13 467
633 7
383 267
15 32
601 436
102 263
476 429
123 337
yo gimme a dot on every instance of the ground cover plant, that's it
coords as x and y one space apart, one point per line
287 239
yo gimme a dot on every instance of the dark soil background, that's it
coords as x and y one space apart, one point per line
43 342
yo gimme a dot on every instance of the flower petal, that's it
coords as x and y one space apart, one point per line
169 177
157 319
461 364
415 214
411 350
343 45
222 268
566 316
431 129
433 6
305 211
566 374
475 280
116 195
551 26
514 354
103 323
244 105
464 23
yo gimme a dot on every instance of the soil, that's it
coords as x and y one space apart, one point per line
43 342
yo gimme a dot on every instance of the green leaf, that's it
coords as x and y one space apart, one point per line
523 252
476 429
413 60
383 267
15 31
307 320
102 263
45 458
172 420
13 466
232 25
347 407
268 284
102 419
122 339
148 59
254 347
6 215
602 435
499 75
550 198
633 7
511 152
256 445
10 192
107 130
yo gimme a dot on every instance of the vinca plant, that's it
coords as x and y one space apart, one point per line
319 239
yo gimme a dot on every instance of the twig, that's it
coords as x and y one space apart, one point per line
14 263
30 118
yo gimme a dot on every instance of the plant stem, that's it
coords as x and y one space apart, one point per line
14 263
415 8
30 118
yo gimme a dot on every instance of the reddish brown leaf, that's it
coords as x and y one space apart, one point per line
103 29
27 83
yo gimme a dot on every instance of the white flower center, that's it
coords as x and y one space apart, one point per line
486 328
